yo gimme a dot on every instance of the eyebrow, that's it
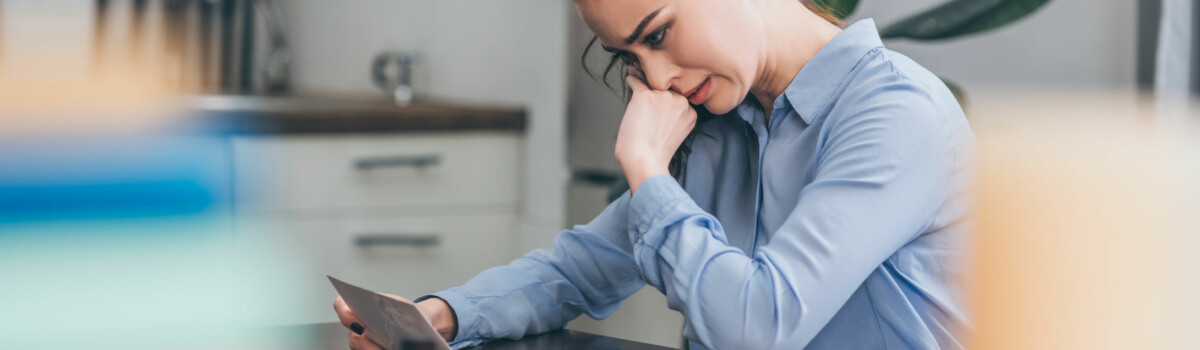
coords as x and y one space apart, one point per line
637 32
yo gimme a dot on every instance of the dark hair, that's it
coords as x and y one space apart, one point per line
678 161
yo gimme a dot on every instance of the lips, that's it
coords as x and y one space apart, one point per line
698 94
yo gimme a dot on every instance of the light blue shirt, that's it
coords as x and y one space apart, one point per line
838 225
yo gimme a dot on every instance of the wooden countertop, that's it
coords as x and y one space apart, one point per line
301 115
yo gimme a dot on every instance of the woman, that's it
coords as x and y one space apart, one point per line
820 207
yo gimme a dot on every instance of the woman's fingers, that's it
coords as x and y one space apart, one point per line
635 83
347 317
360 342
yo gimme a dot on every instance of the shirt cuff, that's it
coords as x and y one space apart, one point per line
653 201
465 317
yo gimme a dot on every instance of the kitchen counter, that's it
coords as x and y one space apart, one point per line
331 336
306 115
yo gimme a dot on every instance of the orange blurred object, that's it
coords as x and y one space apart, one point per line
1085 225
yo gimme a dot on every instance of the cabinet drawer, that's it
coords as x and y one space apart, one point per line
356 171
407 257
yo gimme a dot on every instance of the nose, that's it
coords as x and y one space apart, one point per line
660 72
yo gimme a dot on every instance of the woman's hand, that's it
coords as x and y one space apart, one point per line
439 314
358 339
655 123
435 310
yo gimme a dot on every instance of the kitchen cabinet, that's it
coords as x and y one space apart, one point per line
402 200
401 213
363 172
406 256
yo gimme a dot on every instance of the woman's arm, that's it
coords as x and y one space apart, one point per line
877 184
589 270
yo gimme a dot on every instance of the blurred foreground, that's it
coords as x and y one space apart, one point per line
1087 223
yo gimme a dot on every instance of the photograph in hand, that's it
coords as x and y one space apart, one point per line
389 321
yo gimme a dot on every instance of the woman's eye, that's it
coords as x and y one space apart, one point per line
656 38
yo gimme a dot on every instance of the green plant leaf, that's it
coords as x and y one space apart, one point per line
838 8
959 93
961 17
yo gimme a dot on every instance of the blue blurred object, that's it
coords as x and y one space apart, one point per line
112 177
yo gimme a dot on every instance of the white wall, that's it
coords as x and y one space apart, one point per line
1065 44
510 52
29 54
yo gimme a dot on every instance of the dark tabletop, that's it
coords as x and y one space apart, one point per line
330 336
334 114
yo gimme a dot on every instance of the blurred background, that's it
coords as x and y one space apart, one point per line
184 170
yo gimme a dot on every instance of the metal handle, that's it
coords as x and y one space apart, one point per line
418 161
398 239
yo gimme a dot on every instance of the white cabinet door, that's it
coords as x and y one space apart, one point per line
350 172
409 257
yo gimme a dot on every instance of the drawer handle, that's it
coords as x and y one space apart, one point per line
418 161
413 240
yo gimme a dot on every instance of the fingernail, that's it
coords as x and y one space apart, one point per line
357 328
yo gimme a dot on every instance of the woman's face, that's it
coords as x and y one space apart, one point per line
706 50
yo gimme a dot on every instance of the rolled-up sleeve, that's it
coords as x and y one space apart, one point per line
589 270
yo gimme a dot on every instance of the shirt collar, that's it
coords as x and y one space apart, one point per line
812 88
